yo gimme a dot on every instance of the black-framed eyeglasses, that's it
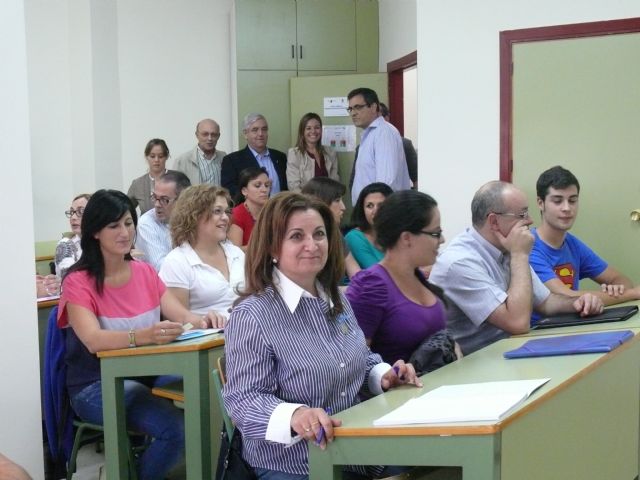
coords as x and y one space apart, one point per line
219 211
164 201
437 235
522 215
358 107
78 213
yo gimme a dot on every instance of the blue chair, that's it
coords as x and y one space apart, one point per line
60 420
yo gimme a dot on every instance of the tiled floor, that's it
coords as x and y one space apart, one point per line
89 463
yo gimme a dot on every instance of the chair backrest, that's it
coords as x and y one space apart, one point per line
217 383
222 369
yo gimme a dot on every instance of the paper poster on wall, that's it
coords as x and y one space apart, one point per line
335 106
342 138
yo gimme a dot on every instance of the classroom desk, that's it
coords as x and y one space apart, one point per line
584 423
194 360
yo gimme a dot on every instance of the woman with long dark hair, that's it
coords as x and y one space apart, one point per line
111 301
362 238
396 306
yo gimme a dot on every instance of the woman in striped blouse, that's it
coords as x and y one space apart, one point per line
294 350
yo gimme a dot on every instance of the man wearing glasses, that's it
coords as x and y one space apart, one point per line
154 237
203 164
561 259
380 156
485 273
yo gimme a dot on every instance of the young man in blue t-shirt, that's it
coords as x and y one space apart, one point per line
559 258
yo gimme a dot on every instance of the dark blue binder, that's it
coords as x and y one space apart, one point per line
595 342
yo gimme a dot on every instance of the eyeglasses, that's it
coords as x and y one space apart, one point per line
164 201
357 108
78 213
437 235
522 215
218 212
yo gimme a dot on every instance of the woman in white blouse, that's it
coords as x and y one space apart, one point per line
204 270
309 158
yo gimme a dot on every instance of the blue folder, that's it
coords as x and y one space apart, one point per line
596 342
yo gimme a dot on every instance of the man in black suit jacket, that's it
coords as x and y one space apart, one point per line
255 154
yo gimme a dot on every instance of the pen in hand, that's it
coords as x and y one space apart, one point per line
397 370
320 437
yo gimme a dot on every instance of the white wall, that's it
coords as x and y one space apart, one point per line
397 19
20 425
105 77
458 86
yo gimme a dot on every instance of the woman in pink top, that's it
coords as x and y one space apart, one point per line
111 301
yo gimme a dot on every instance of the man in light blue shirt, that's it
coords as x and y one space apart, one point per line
381 154
154 237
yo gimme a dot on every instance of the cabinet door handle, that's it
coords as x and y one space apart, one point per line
300 51
293 51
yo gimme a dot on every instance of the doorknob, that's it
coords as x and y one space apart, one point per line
635 215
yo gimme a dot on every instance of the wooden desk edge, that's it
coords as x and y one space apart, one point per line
43 258
450 430
183 346
48 303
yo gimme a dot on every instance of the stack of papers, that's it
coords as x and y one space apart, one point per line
474 402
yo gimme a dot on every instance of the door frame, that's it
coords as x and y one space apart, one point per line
395 71
509 38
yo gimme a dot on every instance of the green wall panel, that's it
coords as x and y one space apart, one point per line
577 104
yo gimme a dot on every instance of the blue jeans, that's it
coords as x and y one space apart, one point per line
146 413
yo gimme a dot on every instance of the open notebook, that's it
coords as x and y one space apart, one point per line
612 314
473 402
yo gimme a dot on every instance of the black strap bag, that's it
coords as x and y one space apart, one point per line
231 465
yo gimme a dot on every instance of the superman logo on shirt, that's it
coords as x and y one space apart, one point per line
565 273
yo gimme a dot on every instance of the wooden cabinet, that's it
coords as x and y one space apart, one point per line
296 35
281 39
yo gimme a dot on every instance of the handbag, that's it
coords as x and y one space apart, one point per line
231 465
434 352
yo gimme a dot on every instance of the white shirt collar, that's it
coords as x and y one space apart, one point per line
291 292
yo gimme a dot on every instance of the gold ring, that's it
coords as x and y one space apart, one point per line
314 423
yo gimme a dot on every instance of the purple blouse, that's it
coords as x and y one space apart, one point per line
395 324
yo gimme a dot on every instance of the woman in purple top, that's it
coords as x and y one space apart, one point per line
396 307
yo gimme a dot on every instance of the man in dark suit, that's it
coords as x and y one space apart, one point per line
255 154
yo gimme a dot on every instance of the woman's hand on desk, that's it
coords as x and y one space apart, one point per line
215 319
401 374
309 423
165 332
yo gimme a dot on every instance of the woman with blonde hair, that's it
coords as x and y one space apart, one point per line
204 270
309 158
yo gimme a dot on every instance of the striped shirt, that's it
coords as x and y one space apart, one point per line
286 349
209 168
